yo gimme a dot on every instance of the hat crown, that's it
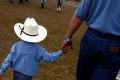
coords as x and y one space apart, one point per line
30 26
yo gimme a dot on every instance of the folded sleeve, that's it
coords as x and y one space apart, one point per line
50 57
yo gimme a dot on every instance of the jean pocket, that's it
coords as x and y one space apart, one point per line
114 53
114 49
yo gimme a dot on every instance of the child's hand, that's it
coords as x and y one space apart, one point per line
1 78
65 50
66 46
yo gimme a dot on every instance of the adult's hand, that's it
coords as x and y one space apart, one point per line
66 45
72 27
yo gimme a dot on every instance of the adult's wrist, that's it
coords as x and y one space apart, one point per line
67 39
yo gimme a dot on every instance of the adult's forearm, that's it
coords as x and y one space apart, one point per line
73 26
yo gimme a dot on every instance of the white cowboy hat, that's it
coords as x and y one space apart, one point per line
30 31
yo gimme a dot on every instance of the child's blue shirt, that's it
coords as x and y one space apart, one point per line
102 15
25 58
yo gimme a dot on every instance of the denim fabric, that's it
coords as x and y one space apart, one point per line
99 58
42 1
59 2
20 76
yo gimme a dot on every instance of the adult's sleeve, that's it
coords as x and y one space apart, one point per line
83 9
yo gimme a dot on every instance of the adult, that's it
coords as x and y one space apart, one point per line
42 3
99 55
59 4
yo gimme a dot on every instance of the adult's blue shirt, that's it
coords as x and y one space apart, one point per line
25 58
102 15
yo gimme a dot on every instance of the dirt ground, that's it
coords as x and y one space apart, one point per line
55 23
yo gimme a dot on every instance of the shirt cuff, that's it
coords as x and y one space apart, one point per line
61 52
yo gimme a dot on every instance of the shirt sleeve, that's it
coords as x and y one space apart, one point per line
83 9
7 62
50 57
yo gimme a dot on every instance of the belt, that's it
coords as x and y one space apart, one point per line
104 35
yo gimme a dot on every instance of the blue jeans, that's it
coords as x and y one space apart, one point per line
20 76
99 58
42 1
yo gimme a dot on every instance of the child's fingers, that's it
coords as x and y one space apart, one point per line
65 50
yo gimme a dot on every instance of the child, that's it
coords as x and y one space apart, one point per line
26 55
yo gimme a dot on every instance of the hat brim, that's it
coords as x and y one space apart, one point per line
41 36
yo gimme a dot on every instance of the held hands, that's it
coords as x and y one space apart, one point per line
66 44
